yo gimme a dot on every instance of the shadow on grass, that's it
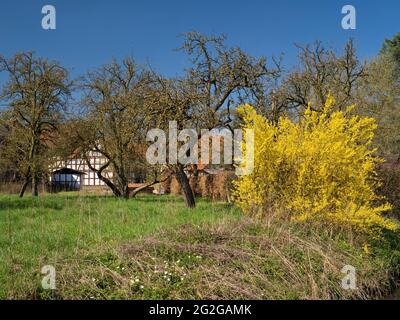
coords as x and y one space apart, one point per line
29 203
59 201
200 202
146 198
156 198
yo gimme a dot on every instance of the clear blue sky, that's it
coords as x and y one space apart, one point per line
89 33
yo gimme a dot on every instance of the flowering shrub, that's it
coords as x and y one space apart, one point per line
321 168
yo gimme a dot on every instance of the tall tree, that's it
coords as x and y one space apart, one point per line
36 95
320 72
218 79
378 96
391 48
115 123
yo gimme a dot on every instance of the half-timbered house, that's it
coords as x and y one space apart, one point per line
89 177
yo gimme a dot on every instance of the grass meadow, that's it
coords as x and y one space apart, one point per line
152 247
61 229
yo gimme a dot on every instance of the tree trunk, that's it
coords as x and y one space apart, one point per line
35 190
109 184
23 188
195 170
137 190
134 192
186 188
126 192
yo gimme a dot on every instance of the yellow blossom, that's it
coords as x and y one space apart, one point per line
321 168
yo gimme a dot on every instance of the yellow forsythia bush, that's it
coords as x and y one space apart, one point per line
321 168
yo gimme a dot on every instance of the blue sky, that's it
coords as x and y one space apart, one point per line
90 33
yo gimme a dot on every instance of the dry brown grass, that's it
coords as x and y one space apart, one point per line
240 260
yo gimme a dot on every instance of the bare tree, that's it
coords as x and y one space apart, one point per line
321 72
115 123
220 78
36 94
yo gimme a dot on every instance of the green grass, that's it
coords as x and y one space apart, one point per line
55 229
152 247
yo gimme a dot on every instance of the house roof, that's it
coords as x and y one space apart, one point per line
68 171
